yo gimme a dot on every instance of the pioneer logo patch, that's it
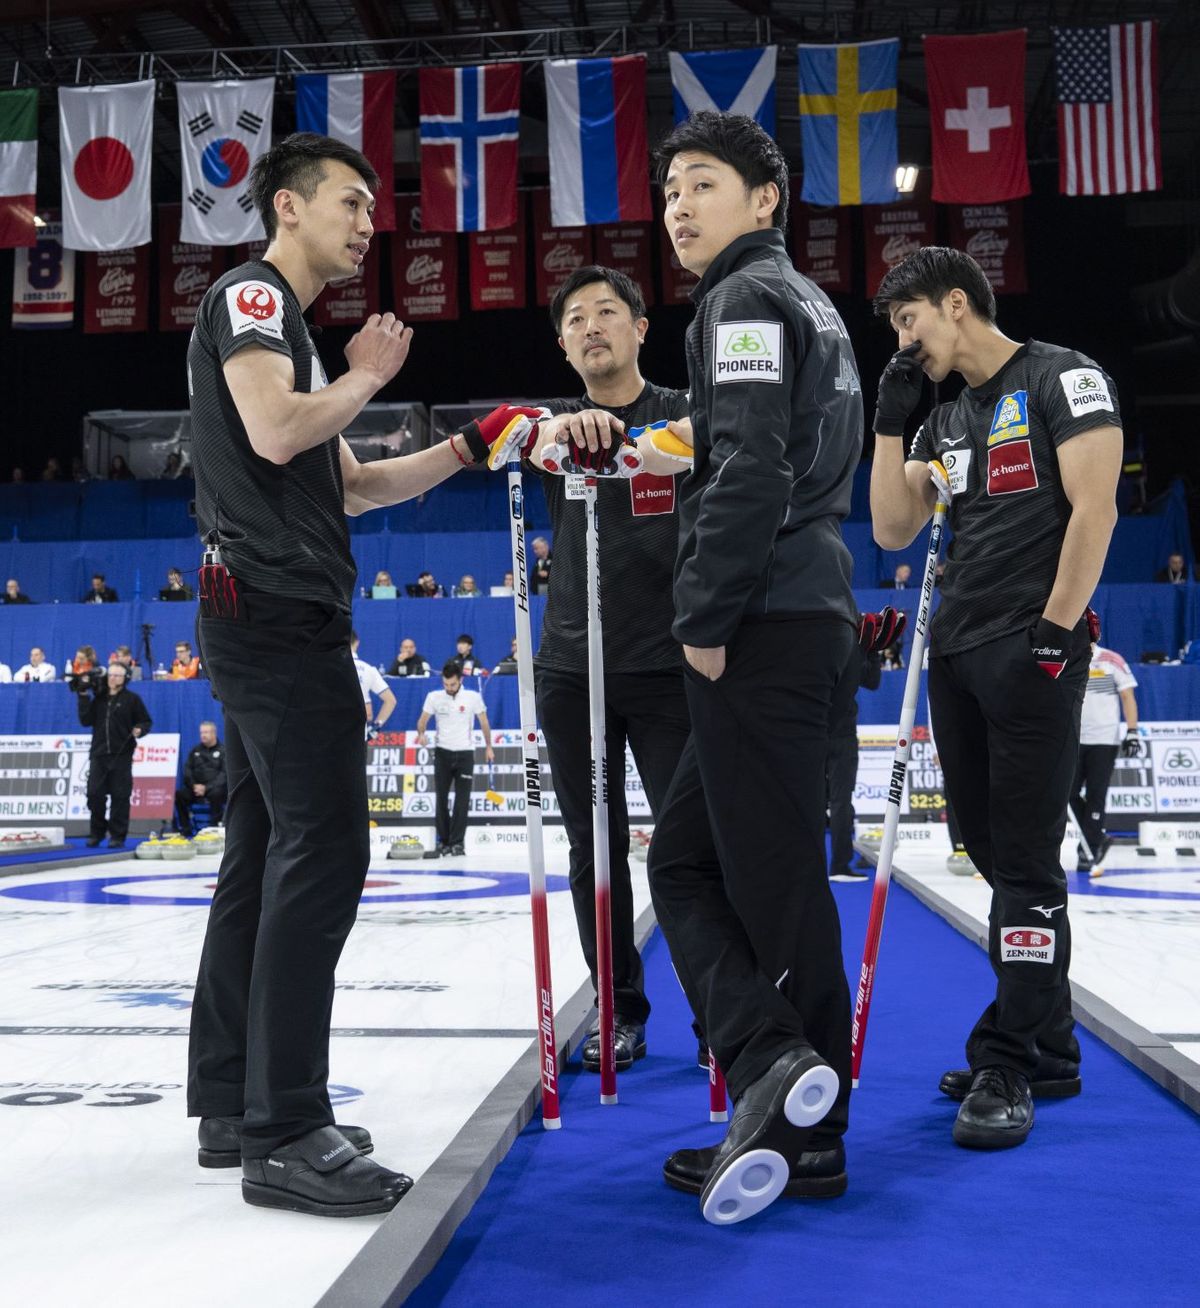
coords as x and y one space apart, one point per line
651 495
1085 389
1010 469
1011 418
748 351
1026 945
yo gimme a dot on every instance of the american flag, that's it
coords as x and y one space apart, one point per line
1108 137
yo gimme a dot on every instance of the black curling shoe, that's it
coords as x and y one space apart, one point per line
322 1173
221 1141
997 1112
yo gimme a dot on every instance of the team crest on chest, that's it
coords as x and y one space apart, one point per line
1011 418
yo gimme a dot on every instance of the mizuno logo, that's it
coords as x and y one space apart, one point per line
960 440
1046 912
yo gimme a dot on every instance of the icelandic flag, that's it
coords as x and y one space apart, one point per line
358 109
470 118
732 81
599 159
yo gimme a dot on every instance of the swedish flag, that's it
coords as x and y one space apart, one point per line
848 122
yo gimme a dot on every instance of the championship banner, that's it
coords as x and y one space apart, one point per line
400 785
557 251
116 291
351 302
626 247
44 778
892 232
247 250
424 268
185 272
994 236
821 244
44 279
497 265
677 282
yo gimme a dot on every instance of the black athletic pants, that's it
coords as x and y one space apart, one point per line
841 772
737 862
649 711
110 776
214 797
1008 738
1093 772
453 767
296 854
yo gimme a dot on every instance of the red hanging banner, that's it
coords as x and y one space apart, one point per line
116 291
627 249
351 302
557 251
424 268
892 232
821 244
994 236
185 272
498 265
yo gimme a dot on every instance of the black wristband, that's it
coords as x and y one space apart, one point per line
477 446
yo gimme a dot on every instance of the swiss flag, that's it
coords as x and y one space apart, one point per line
105 147
977 112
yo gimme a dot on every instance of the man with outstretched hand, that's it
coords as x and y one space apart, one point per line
1027 457
274 482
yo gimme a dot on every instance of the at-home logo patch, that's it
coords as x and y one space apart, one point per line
1010 468
1026 945
747 351
650 494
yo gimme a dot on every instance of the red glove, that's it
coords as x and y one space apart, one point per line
622 458
877 631
1093 621
482 433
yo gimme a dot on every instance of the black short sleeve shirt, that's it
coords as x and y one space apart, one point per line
282 527
1009 514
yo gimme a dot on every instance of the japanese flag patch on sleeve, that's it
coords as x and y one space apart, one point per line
1086 389
748 351
255 306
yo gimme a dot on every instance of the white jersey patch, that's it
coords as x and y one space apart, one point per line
317 377
255 306
1026 945
1085 389
957 464
748 352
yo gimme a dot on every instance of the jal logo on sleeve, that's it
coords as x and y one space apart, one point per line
1086 390
1010 469
748 351
254 306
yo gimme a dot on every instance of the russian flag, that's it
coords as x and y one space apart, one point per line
358 109
599 161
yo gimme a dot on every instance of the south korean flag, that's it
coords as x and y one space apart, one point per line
223 128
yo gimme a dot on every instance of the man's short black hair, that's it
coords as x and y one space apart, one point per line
451 668
295 164
931 273
97 576
736 140
467 637
624 285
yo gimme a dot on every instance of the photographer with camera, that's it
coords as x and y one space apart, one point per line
117 718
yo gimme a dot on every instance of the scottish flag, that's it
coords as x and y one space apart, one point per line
733 81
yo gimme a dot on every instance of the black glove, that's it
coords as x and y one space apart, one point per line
1051 646
372 730
1131 746
877 631
899 391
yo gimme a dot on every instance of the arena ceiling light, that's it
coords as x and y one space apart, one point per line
906 178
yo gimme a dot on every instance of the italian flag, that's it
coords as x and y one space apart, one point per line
18 167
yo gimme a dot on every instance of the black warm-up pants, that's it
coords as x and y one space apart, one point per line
1089 791
296 854
214 797
1008 738
649 711
453 767
110 777
737 862
841 772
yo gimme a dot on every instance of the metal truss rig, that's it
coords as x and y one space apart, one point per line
403 53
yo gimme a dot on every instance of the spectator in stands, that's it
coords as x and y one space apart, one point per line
79 471
118 469
540 580
464 656
5 674
37 669
186 665
508 583
175 589
901 580
408 663
117 717
507 667
382 578
124 656
84 661
99 593
1175 571
173 467
12 593
203 778
426 587
891 658
53 470
17 476
466 588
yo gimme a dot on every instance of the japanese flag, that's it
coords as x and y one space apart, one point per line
105 148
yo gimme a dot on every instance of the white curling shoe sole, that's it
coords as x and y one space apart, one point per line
811 1097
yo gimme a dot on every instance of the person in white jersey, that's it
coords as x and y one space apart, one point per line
1108 727
453 710
371 682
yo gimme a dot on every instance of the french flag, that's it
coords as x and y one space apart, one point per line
599 161
470 121
358 109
